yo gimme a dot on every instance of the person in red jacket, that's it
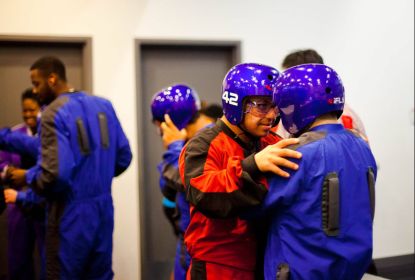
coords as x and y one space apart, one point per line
221 171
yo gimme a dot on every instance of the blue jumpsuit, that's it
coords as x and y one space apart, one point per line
82 148
321 217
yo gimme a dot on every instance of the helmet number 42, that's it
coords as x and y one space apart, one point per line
230 98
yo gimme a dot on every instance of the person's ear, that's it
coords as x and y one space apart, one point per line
52 79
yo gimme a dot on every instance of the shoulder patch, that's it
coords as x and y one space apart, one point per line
54 107
308 137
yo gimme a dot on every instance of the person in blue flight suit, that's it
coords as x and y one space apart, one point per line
82 148
321 217
176 112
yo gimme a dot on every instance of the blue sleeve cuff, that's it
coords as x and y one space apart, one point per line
176 145
21 197
31 175
168 203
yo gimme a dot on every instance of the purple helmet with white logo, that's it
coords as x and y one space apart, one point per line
179 101
244 80
306 91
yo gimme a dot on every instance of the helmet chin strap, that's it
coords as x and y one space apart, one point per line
276 121
246 132
250 145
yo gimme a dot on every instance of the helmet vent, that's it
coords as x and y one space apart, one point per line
328 90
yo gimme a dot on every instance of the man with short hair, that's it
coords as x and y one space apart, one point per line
82 148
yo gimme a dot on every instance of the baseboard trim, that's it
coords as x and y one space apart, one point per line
398 267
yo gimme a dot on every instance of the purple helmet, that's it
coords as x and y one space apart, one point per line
179 101
244 80
306 91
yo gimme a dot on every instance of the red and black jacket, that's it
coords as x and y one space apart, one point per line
221 178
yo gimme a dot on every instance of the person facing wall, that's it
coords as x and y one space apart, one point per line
176 112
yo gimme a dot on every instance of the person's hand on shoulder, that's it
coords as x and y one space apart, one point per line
273 157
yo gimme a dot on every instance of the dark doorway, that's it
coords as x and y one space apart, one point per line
201 65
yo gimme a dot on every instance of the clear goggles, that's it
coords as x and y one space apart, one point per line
261 108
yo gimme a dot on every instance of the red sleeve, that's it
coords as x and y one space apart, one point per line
347 121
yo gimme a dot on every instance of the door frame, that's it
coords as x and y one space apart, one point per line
235 46
84 42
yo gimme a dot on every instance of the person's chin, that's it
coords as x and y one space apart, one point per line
262 132
30 123
265 128
266 133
